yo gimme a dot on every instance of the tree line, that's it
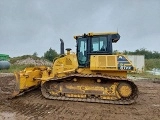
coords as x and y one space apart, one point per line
148 54
152 58
51 53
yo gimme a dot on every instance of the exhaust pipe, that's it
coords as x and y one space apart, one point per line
61 47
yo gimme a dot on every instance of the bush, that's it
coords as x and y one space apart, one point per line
50 54
15 68
152 63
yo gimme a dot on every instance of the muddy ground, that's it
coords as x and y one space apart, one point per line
33 106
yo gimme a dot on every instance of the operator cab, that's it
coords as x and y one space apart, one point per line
94 44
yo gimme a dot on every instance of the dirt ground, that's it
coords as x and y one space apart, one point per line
33 106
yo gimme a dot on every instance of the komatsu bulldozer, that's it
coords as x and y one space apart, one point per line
92 74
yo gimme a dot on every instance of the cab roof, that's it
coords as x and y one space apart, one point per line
96 34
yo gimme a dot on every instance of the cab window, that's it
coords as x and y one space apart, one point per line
82 51
99 44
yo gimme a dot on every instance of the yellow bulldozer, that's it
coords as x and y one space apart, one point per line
92 74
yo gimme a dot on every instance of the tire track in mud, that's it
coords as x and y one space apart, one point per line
30 105
33 106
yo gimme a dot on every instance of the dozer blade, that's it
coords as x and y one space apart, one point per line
12 85
8 85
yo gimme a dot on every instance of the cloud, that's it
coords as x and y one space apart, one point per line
28 26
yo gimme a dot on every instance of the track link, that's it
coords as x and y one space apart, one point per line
124 101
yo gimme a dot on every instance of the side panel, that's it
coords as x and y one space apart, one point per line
110 62
64 65
103 62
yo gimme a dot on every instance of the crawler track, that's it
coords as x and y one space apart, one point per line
128 100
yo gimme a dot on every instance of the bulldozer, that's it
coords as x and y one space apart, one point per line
92 74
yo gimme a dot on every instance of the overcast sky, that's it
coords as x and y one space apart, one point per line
28 26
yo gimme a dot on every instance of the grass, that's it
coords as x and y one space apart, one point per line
145 75
15 68
152 63
149 65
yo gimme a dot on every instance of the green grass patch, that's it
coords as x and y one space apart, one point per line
15 68
144 75
152 63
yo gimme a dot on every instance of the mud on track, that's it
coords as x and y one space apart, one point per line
33 106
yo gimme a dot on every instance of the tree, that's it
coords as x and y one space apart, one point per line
148 54
50 54
35 54
115 52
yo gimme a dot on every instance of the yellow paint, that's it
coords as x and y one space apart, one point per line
103 62
68 64
63 65
29 77
103 72
125 91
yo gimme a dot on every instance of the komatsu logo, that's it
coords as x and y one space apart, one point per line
125 67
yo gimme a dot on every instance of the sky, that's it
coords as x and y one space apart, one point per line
28 26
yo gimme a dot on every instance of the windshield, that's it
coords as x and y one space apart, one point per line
99 44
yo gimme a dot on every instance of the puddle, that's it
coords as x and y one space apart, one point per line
7 116
154 71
